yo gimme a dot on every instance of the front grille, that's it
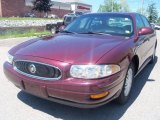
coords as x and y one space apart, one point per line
37 70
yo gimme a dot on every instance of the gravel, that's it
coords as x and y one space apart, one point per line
26 23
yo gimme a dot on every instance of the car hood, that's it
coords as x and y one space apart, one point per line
70 48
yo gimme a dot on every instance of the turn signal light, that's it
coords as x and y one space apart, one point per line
99 96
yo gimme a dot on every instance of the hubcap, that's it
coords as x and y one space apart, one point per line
128 82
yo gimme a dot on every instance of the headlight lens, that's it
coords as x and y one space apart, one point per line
10 58
93 71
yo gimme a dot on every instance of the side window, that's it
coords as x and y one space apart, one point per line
146 23
139 22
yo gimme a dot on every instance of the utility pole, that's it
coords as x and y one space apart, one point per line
142 7
112 5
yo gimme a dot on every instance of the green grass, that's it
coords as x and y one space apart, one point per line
25 18
18 33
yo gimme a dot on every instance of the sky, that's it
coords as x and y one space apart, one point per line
133 4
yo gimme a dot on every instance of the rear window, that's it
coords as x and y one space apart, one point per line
68 19
122 22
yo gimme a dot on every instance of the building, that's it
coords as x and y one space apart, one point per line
9 8
80 7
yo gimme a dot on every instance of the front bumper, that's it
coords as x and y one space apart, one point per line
68 91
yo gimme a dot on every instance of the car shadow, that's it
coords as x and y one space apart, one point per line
110 111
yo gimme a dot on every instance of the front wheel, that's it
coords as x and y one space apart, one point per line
124 95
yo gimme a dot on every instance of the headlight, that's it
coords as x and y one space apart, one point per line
10 58
93 71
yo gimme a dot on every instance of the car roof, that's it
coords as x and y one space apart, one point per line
71 15
112 13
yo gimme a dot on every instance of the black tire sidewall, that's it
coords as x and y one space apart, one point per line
153 56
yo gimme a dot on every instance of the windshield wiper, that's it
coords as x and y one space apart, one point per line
97 33
66 31
89 32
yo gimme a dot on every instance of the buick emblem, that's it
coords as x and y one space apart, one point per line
32 68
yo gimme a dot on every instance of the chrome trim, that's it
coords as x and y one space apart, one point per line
36 77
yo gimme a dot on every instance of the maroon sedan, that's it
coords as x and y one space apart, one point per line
91 62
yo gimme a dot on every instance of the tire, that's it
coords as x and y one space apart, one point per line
153 56
127 85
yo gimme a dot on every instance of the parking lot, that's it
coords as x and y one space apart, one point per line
144 102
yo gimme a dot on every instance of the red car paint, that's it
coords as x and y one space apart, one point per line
64 50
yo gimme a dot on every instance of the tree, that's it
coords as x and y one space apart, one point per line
42 6
109 6
124 6
113 6
142 11
152 13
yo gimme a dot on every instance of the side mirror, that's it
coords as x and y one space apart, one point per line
145 31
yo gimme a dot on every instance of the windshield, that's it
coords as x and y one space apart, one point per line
102 23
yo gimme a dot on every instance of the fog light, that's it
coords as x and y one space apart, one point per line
99 96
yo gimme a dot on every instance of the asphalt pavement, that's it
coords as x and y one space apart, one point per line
144 102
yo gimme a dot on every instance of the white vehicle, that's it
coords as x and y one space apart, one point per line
30 14
54 28
155 26
51 16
